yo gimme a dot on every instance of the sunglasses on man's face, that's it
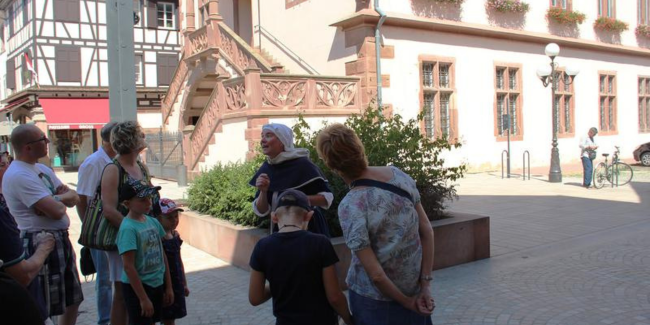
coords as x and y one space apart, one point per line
44 138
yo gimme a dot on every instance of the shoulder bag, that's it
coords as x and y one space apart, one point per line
96 231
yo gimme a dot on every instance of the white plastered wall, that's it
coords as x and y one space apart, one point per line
308 34
474 79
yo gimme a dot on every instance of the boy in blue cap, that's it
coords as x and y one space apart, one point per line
300 268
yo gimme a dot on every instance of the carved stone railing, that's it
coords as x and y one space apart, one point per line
309 92
206 126
235 95
198 41
174 88
270 94
237 50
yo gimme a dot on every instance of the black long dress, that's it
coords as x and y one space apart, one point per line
300 174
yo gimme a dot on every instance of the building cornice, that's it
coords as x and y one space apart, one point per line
369 18
76 92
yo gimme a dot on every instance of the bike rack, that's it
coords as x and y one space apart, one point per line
523 172
503 152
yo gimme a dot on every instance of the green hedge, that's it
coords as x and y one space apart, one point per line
224 192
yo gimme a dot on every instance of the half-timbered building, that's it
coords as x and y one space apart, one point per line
57 68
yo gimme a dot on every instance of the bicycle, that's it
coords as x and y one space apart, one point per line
617 173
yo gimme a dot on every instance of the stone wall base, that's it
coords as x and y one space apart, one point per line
460 239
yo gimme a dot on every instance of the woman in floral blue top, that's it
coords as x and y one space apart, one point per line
388 231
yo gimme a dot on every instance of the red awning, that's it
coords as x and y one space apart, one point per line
75 113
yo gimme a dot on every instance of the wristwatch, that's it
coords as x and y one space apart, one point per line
427 277
57 198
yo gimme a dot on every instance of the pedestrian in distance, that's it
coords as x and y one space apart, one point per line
588 154
89 178
172 245
386 228
146 283
38 201
300 268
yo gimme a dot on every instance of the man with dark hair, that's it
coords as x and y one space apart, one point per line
90 176
38 201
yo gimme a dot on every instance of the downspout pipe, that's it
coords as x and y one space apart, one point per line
382 19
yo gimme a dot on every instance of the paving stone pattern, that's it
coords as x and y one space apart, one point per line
561 255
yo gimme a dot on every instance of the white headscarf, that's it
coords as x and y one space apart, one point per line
285 135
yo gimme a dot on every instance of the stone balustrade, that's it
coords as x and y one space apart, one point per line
260 94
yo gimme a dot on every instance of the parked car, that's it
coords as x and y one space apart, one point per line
642 154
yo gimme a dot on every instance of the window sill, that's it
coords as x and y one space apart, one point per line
606 133
566 135
504 138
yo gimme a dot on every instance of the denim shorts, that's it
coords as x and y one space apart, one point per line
366 311
133 304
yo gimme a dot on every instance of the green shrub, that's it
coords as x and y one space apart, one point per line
223 192
391 141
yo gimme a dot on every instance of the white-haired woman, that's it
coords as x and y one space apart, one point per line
287 167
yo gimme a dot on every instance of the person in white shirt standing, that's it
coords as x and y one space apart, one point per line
38 200
587 155
89 178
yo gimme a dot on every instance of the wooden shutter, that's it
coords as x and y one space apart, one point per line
60 10
25 12
152 14
161 62
176 17
24 73
74 11
68 64
74 56
166 66
11 74
11 21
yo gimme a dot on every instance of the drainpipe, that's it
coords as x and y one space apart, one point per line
382 18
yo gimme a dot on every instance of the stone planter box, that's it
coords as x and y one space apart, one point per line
460 239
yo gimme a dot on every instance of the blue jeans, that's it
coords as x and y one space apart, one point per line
587 170
103 287
366 311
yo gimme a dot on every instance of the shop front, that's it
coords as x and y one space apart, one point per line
73 128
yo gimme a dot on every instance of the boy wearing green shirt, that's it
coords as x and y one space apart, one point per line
146 281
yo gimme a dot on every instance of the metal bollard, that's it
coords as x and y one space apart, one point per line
181 171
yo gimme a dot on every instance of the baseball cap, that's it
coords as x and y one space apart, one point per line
292 198
136 188
168 206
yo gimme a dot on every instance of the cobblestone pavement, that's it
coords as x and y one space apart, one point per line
561 255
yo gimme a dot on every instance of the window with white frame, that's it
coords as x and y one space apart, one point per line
644 104
607 8
508 102
562 4
437 93
643 11
563 104
139 80
607 113
166 15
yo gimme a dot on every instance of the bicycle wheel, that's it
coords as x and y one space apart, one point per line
620 174
600 175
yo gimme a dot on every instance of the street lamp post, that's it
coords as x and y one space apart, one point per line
550 76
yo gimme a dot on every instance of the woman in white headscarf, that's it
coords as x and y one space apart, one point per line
287 167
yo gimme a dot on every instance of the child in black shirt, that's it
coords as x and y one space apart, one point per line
299 266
